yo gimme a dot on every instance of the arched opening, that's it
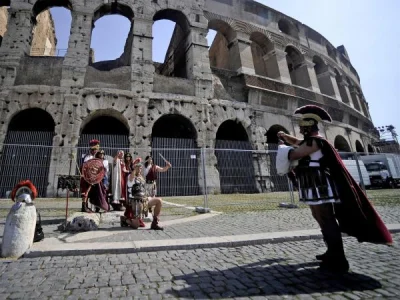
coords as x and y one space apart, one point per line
274 181
272 136
27 150
353 93
234 160
112 37
341 144
52 24
174 137
174 40
111 132
360 148
297 69
288 28
342 87
261 47
223 54
324 80
370 149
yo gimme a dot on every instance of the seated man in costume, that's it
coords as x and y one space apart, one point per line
94 148
139 201
337 202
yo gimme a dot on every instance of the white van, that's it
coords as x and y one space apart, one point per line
351 166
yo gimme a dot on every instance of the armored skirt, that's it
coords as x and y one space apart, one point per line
315 183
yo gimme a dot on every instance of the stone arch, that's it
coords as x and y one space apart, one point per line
297 68
174 126
43 35
231 130
96 116
42 5
272 137
176 62
288 28
359 147
370 149
234 163
123 10
109 127
224 52
323 73
175 138
342 85
341 144
28 142
114 8
261 46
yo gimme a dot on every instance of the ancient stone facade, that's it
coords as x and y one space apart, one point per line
260 68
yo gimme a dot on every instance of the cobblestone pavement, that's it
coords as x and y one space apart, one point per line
272 271
239 224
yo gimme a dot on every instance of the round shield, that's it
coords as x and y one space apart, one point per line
93 170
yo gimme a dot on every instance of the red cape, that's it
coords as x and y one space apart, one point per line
355 214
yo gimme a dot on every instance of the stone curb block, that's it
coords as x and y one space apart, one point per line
166 245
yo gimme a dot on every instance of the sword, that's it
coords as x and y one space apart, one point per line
166 161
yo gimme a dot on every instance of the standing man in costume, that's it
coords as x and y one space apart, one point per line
94 148
337 202
150 173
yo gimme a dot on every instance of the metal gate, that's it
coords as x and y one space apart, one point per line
182 179
26 155
235 167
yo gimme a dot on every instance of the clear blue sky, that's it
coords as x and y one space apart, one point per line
367 28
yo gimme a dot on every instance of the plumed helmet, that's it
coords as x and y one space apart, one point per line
137 162
94 144
312 113
24 191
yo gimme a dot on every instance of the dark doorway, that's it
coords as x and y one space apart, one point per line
112 134
235 159
277 183
27 151
174 137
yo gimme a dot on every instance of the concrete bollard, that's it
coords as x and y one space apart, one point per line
19 229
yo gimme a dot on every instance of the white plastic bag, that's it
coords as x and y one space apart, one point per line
283 164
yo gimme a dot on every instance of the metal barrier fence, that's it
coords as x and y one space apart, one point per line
204 178
48 52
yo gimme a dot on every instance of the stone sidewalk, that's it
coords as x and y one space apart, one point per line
195 231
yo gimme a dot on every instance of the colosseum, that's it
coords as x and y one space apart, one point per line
236 94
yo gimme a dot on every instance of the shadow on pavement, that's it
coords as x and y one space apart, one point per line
269 277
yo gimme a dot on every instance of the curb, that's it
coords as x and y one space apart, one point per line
53 247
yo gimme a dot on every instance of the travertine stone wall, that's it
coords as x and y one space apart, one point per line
245 77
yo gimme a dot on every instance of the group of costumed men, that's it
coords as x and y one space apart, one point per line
132 189
337 202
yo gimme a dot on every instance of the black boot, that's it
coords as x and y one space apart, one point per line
338 265
334 260
322 257
154 224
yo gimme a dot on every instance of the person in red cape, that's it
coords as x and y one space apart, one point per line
336 201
